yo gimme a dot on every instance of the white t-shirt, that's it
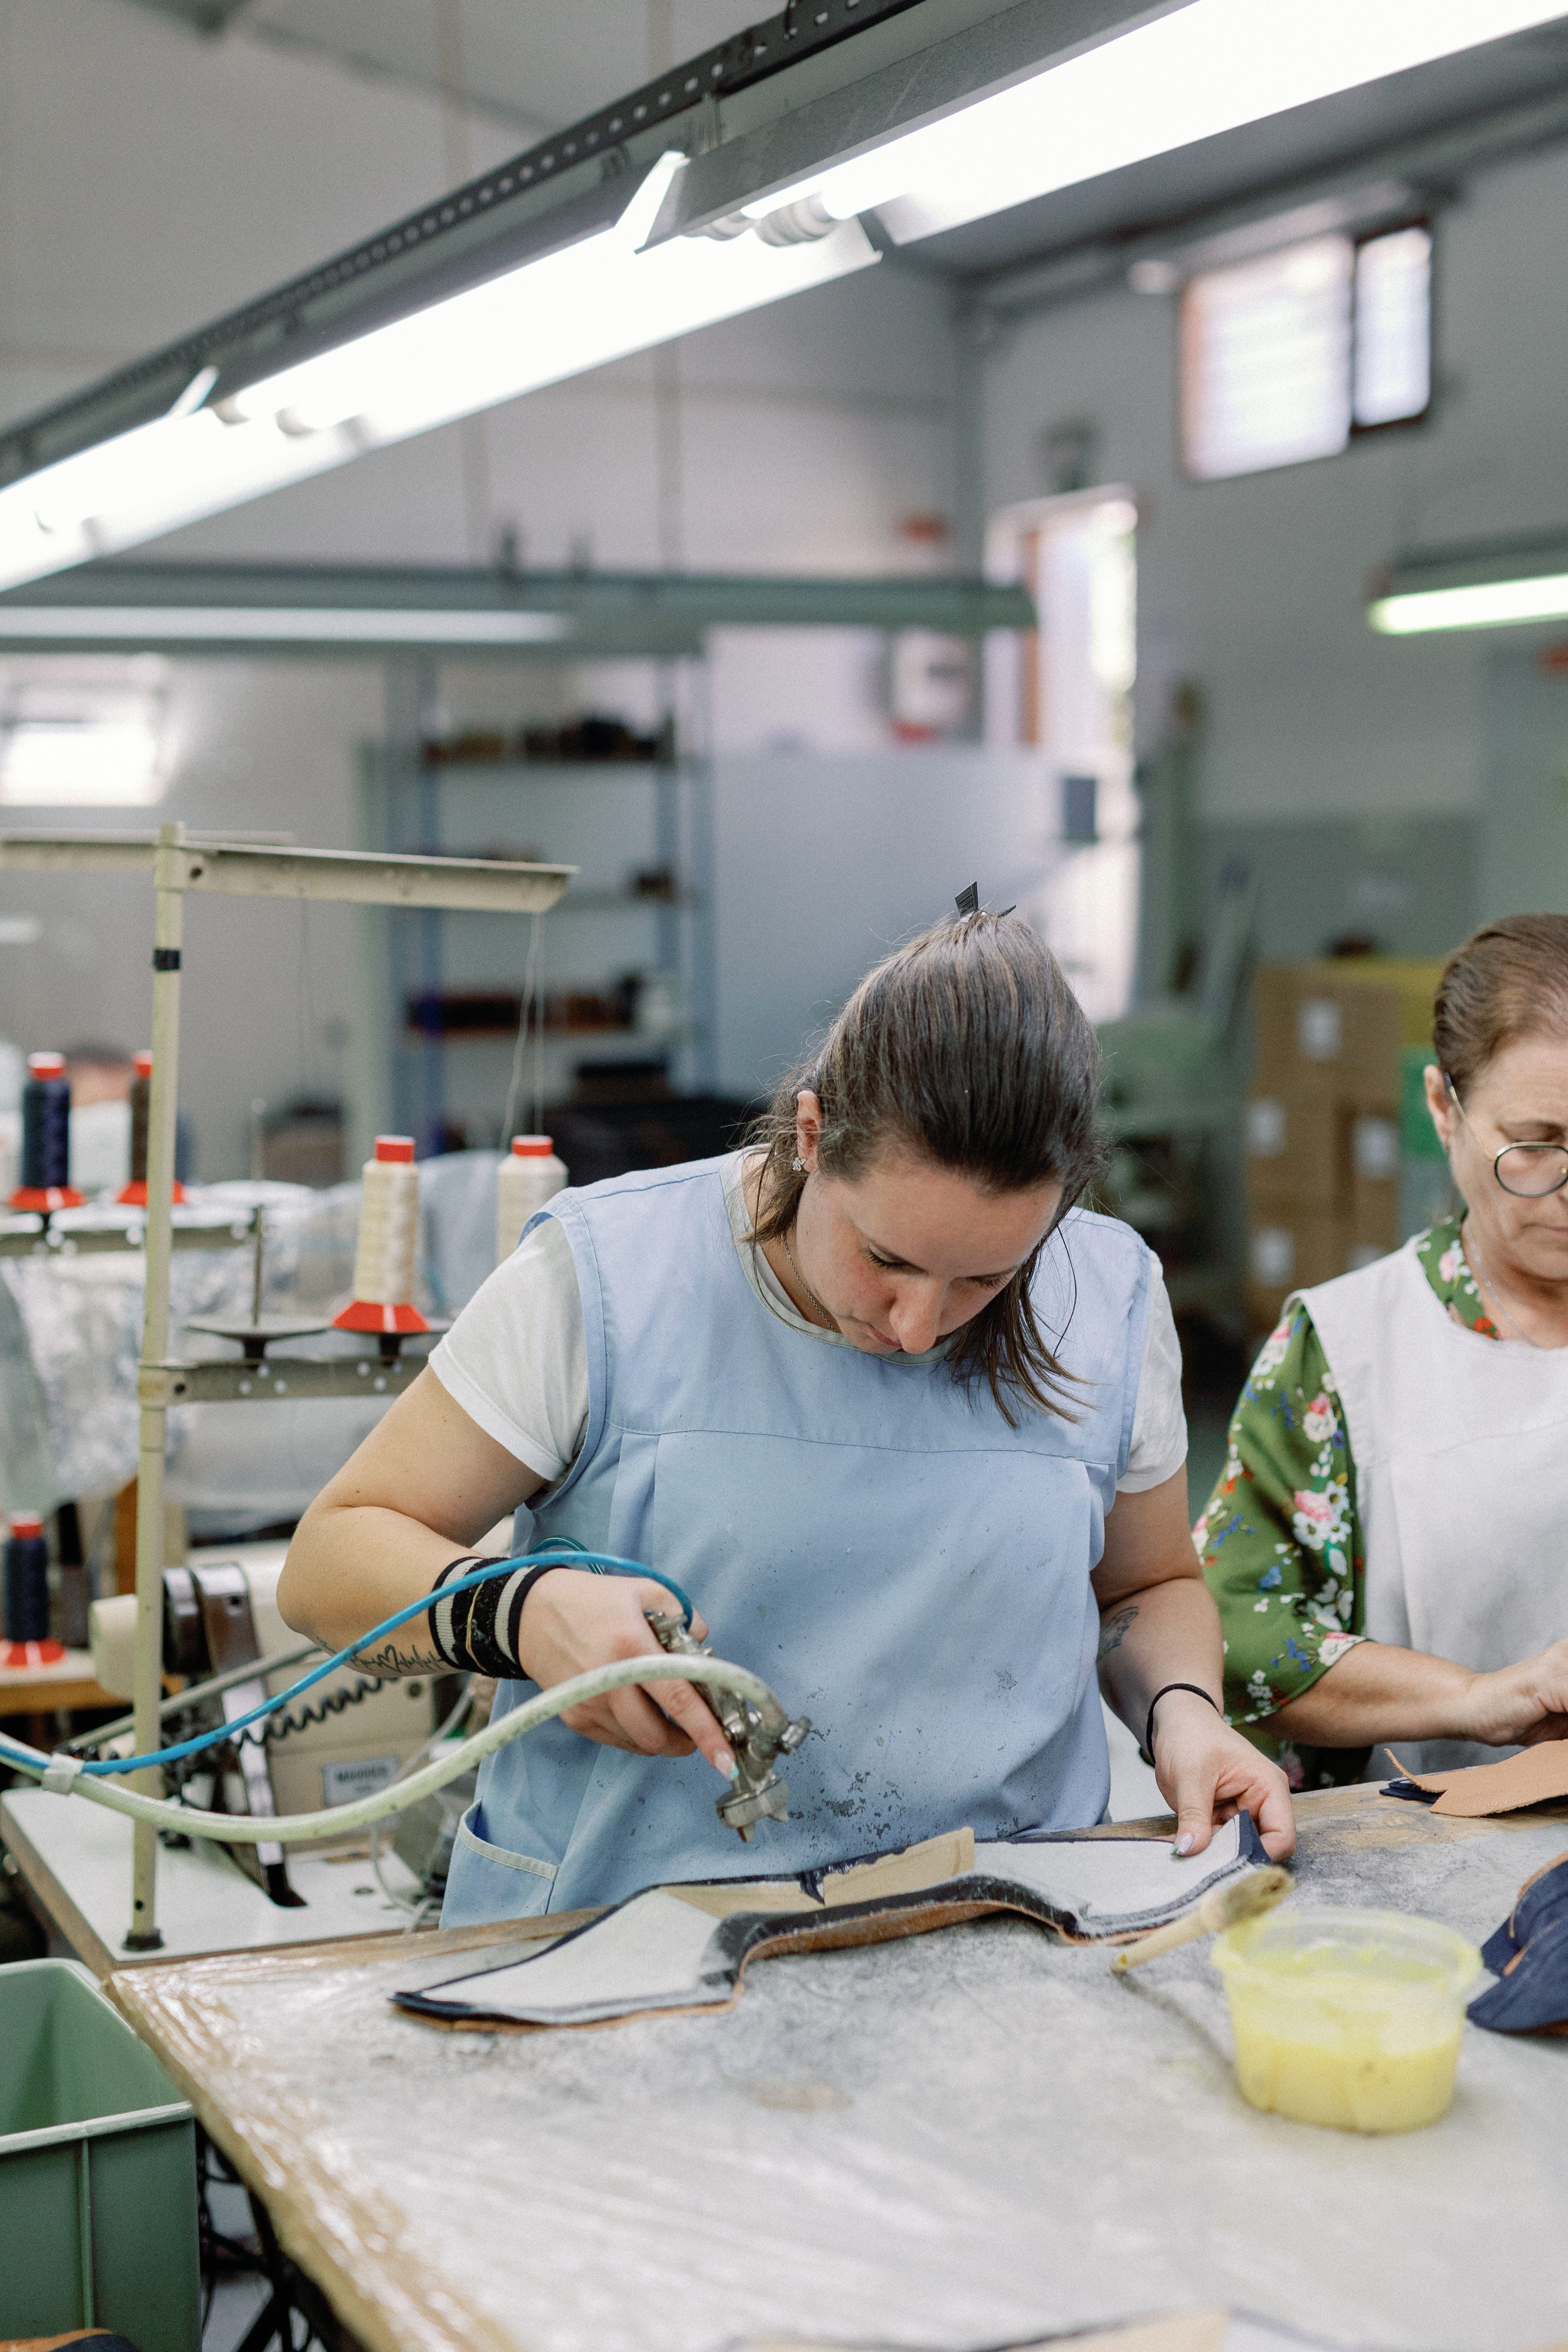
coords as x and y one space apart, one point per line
517 1358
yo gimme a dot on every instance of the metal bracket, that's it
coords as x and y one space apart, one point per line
229 1380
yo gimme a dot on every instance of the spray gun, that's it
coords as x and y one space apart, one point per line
756 1735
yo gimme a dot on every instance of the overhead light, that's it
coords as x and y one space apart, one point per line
274 625
1487 604
554 316
1495 583
80 763
1196 72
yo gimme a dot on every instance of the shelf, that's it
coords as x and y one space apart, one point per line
604 902
602 772
652 1038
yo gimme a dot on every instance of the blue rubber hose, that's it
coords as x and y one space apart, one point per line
554 1556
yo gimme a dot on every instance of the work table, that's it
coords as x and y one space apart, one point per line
972 2138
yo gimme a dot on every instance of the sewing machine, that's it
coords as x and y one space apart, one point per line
345 1738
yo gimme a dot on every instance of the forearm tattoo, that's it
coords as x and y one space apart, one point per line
390 1661
1114 1631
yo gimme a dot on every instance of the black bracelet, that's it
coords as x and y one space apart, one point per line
475 1632
1147 1750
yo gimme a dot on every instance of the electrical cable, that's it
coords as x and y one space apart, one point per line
443 1730
64 1775
183 1701
601 1563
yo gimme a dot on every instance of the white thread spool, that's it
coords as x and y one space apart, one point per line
387 1242
529 1175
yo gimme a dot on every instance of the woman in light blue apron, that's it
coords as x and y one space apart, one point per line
900 1417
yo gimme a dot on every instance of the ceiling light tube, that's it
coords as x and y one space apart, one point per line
275 624
1192 72
1485 604
555 316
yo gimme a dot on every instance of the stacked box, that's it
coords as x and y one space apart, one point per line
1322 1129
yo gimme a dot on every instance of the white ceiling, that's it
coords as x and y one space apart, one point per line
536 64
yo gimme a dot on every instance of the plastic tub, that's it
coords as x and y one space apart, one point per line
1350 2019
97 2171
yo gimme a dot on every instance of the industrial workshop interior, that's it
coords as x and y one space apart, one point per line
784 1175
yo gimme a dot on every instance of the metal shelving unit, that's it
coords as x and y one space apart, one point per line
175 866
663 818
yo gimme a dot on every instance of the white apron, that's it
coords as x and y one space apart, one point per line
1460 1448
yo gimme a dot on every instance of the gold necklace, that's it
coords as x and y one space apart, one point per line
804 1284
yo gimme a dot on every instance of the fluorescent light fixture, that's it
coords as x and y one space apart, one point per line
1193 73
80 763
1489 604
274 625
551 317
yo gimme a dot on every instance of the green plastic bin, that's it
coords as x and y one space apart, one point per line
97 2171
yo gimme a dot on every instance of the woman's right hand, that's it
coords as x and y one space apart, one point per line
573 1620
1520 1705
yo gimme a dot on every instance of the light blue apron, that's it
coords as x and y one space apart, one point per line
863 1533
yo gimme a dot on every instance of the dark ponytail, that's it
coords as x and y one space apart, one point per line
966 1048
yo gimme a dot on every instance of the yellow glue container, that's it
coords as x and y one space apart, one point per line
1347 2018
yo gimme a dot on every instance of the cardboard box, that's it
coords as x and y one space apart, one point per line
1293 1251
1296 1152
1374 1218
1338 1029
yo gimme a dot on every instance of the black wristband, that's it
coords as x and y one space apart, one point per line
1147 1750
475 1632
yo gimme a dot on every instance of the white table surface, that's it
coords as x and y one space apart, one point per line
972 2138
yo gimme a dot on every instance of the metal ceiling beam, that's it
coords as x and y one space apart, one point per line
556 192
817 81
342 610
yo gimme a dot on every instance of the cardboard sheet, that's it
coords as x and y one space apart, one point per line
1536 1776
687 1947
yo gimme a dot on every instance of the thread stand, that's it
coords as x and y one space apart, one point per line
235 869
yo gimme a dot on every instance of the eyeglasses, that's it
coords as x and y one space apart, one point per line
1529 1171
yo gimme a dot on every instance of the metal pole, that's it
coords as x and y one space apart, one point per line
168 919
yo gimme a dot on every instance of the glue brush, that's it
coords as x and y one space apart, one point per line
1222 1906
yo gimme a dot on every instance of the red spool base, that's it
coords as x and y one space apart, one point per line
31 1653
47 1197
134 1196
364 1315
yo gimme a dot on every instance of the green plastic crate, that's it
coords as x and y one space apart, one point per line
97 2171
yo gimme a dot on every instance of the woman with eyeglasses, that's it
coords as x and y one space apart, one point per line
1388 1540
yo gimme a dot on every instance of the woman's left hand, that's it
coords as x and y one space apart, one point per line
1207 1773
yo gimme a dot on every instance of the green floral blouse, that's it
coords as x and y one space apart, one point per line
1280 1539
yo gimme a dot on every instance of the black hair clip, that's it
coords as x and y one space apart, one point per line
968 902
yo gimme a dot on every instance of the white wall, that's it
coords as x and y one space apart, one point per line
150 180
823 865
1254 586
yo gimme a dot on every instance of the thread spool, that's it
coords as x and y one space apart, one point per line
134 1194
28 1642
45 1137
387 1244
529 1175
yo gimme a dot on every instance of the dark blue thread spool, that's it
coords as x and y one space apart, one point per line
46 1124
27 1582
141 1102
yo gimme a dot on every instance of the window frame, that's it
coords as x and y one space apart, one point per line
1357 433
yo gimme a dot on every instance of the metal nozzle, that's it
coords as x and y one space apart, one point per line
757 1736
